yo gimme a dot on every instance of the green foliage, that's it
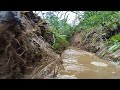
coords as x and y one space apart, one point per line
115 44
60 42
93 19
114 47
116 37
61 30
60 39
56 46
90 20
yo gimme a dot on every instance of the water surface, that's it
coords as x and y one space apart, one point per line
79 64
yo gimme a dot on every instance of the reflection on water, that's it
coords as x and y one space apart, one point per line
99 64
80 64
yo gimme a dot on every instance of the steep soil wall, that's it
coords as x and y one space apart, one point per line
24 48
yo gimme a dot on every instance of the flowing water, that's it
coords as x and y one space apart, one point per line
80 64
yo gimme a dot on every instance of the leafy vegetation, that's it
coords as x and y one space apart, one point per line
90 20
107 19
114 43
60 29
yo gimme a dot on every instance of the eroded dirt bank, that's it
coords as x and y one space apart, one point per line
92 41
25 50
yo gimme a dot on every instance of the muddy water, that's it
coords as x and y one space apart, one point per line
80 64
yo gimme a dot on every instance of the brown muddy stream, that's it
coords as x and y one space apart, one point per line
80 64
